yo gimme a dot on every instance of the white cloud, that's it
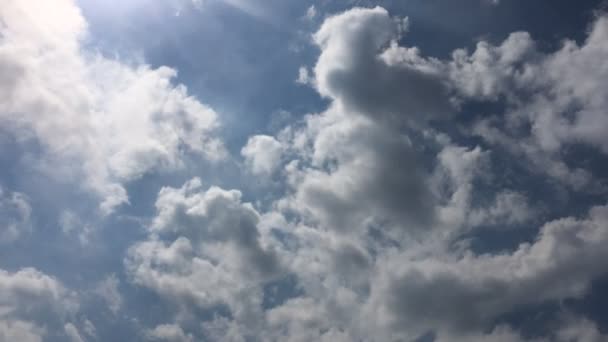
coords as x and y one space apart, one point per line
33 304
358 71
28 289
262 154
375 203
554 99
359 172
20 331
72 333
361 189
169 333
205 248
111 122
468 292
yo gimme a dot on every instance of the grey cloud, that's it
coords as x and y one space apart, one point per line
12 330
34 304
72 333
358 68
351 172
472 291
491 71
362 172
204 249
554 99
373 204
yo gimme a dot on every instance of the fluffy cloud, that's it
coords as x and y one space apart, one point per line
367 241
358 71
554 99
471 291
377 202
361 188
262 154
558 95
577 75
33 304
205 249
359 172
97 119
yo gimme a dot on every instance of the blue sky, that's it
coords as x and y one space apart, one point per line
265 170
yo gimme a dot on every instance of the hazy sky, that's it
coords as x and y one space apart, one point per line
271 170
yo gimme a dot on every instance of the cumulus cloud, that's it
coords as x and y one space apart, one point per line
360 172
376 205
555 99
557 95
205 249
366 239
470 291
362 68
110 121
364 177
262 154
32 305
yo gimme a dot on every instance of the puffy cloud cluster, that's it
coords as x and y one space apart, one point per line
34 305
377 205
355 171
367 240
205 249
97 119
553 99
470 291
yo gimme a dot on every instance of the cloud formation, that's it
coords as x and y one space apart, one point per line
204 250
365 231
101 120
34 306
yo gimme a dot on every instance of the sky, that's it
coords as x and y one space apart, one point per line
270 170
